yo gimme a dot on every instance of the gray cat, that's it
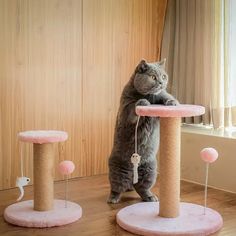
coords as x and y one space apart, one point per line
146 86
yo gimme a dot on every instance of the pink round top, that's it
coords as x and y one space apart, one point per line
182 110
43 136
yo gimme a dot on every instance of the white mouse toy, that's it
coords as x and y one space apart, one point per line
20 183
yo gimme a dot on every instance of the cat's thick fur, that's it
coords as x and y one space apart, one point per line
146 86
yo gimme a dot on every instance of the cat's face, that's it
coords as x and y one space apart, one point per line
150 78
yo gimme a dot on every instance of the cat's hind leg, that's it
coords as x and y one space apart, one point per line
114 197
147 178
120 181
146 195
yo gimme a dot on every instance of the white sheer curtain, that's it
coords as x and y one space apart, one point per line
224 65
232 59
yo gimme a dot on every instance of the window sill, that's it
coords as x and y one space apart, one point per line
208 130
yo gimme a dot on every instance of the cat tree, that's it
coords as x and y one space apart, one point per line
169 216
44 210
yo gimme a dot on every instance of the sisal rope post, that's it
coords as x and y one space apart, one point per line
169 166
43 176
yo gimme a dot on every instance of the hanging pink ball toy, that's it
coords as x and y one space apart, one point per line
66 167
209 155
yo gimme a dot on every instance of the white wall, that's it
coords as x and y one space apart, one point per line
222 173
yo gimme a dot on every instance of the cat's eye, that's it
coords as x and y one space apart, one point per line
163 76
153 77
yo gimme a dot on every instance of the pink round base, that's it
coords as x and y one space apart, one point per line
23 214
143 219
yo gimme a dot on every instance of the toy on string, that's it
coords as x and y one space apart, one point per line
66 168
21 181
135 158
208 155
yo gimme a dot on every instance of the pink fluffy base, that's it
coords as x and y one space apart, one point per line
42 136
23 214
182 110
143 219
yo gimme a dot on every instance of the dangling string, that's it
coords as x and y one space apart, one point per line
135 136
21 161
21 181
135 158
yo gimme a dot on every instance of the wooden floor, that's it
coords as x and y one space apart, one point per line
99 217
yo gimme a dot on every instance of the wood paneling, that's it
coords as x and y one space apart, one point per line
99 217
116 34
41 78
63 64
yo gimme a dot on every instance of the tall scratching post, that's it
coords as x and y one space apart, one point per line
169 216
169 166
43 176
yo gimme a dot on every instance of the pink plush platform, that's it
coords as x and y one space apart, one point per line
22 214
43 136
182 110
143 219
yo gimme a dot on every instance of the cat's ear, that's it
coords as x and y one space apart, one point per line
162 63
142 66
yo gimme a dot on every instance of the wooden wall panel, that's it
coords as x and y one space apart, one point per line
116 35
41 80
63 64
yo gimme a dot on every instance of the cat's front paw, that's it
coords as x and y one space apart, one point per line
143 102
171 102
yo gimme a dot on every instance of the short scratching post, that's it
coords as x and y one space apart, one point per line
44 210
169 216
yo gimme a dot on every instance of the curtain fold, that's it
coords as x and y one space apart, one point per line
196 42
